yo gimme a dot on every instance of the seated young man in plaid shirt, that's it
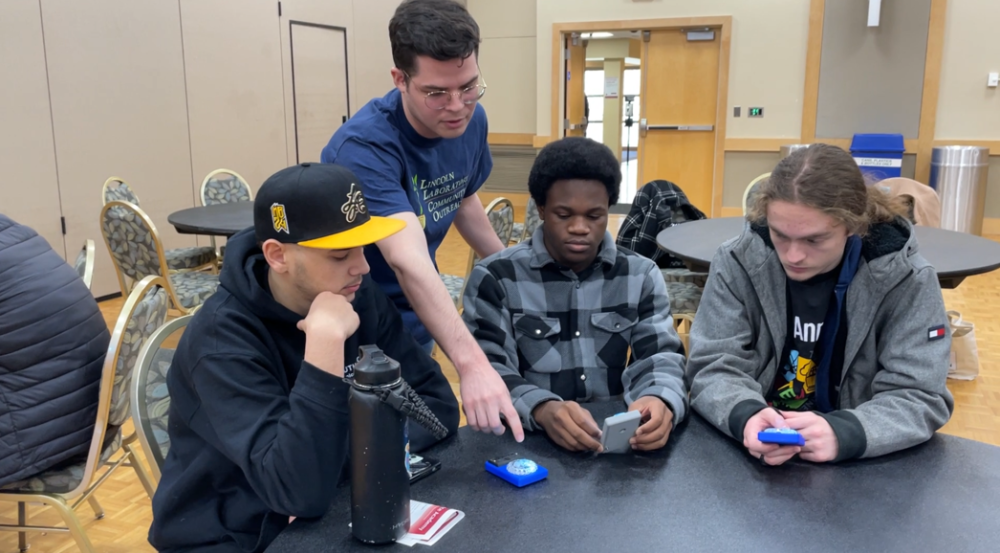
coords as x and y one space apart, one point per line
556 315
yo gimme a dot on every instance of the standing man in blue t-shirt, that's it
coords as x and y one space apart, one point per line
421 155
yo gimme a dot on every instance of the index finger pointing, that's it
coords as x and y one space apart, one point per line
513 420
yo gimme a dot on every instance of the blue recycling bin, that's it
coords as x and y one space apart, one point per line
880 156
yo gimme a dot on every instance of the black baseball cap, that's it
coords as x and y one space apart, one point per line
318 205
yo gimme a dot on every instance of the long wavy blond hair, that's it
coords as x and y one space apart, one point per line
825 178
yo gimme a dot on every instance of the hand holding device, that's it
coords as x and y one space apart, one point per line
619 430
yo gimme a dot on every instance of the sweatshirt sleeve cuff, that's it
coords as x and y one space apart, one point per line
740 414
673 401
321 387
851 439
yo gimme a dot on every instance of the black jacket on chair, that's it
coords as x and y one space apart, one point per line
658 204
53 340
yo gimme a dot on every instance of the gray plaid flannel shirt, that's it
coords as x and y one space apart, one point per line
553 334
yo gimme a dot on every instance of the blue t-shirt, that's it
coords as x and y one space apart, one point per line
399 171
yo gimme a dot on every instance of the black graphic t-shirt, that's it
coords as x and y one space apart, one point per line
795 383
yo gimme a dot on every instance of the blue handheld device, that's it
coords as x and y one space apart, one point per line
517 470
781 436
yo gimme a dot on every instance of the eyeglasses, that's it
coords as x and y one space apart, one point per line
439 99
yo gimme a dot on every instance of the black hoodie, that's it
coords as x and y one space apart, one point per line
256 433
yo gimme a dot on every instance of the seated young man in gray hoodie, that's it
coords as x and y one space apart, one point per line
559 315
822 317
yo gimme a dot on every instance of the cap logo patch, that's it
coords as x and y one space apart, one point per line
278 218
354 205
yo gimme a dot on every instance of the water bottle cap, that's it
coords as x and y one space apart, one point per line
375 368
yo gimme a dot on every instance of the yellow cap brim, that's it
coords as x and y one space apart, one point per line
374 230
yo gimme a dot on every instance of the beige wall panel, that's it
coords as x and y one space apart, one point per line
506 19
741 169
29 192
319 63
337 13
232 58
510 93
371 54
768 53
909 167
871 78
116 74
967 109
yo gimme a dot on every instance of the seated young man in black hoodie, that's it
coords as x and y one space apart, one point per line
258 417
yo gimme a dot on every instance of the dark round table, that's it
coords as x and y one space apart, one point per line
213 220
700 493
954 255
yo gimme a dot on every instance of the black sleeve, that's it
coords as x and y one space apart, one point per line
419 370
273 435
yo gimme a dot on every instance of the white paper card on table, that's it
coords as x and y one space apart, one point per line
429 522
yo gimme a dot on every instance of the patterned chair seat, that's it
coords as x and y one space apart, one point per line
194 287
189 258
62 479
684 297
80 264
158 397
518 232
684 275
531 222
454 285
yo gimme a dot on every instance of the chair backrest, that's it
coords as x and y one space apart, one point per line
749 189
84 263
117 190
500 212
133 243
531 219
150 397
144 311
223 186
501 215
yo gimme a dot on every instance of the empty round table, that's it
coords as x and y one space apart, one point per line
213 220
954 255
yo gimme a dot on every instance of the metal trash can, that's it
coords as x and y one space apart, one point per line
787 149
958 174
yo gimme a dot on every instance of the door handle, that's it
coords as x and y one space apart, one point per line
644 126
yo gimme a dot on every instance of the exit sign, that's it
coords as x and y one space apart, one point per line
755 112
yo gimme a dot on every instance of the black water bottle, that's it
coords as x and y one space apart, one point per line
380 479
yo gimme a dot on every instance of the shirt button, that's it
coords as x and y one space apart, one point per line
577 285
577 332
617 325
538 331
583 377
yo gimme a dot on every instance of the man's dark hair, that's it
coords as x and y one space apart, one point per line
574 157
440 29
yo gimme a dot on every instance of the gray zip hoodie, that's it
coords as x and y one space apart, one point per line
892 388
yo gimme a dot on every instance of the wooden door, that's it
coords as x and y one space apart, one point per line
678 127
319 84
576 66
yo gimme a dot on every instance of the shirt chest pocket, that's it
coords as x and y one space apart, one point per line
536 339
612 332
